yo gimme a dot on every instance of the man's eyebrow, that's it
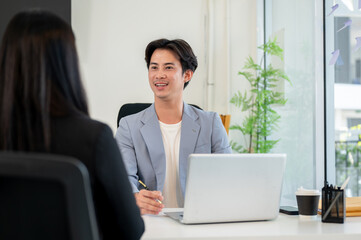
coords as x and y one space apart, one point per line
168 63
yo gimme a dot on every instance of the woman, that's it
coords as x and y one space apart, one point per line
43 109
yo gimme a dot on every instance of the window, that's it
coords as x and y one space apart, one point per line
343 90
299 31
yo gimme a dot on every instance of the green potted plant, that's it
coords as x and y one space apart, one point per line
261 119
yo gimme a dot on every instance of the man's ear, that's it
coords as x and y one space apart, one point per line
188 74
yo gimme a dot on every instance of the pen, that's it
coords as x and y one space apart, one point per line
146 188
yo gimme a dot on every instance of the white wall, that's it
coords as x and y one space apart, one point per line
112 36
243 31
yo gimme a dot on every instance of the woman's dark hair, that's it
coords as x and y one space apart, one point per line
39 79
180 47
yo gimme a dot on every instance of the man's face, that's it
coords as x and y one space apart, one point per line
165 75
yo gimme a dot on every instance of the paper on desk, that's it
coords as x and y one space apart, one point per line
353 206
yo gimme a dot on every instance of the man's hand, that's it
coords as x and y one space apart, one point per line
147 201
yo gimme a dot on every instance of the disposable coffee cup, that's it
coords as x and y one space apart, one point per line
307 201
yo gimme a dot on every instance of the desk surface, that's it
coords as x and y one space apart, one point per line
284 227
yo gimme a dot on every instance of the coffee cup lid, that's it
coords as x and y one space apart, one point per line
303 191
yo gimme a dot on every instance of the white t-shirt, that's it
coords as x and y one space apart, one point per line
173 197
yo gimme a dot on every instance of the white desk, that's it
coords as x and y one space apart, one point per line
284 227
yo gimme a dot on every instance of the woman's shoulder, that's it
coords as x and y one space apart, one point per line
80 126
81 137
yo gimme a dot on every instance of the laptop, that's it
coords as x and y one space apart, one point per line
232 188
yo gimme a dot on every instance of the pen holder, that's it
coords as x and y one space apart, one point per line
333 205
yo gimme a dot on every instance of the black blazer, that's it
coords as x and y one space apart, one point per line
93 143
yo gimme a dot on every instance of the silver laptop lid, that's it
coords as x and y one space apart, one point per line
233 187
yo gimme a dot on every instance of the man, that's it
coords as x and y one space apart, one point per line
155 143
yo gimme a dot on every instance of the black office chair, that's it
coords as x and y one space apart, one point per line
45 196
131 108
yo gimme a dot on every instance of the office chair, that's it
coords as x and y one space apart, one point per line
131 108
45 196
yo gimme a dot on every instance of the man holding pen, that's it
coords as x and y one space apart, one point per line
155 143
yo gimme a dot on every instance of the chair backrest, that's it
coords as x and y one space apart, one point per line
45 196
131 108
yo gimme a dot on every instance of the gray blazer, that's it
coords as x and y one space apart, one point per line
140 141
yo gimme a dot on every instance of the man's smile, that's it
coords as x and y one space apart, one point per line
162 84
